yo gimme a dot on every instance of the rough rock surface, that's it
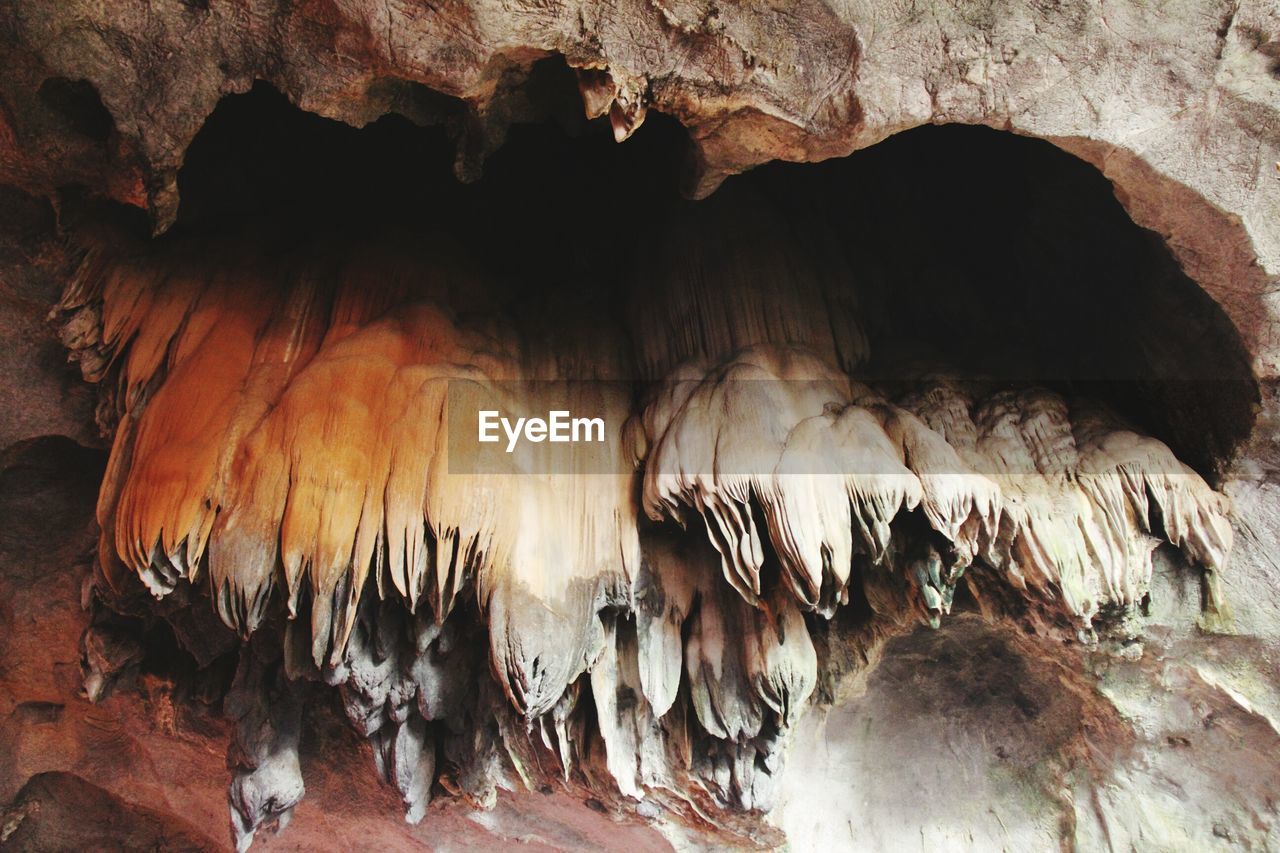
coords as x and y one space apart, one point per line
976 735
40 396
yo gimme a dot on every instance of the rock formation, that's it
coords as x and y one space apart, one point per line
845 427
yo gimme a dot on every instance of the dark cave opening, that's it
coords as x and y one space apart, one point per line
1008 258
975 251
77 103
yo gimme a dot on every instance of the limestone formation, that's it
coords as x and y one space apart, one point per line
876 489
289 450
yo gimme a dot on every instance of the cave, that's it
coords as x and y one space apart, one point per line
940 228
930 503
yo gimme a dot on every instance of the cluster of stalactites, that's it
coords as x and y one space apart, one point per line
1086 500
293 440
783 458
286 433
